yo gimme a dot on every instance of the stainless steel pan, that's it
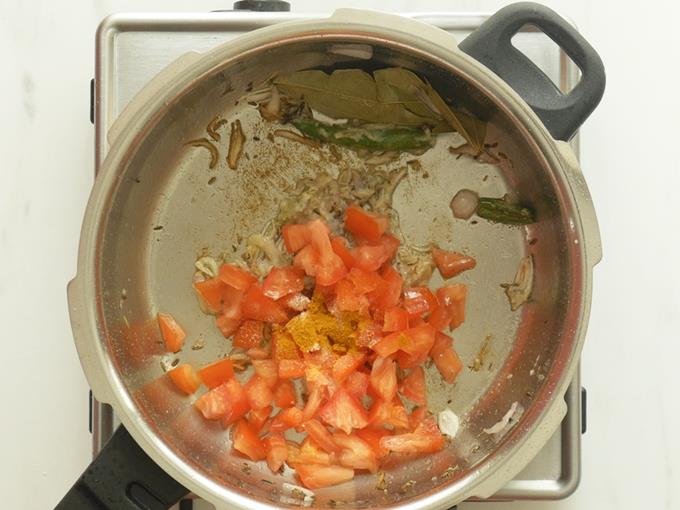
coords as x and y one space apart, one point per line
156 206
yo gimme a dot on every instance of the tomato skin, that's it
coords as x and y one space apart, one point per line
284 394
258 417
383 379
276 449
216 373
388 293
316 476
413 386
185 379
426 438
347 364
355 452
419 301
364 224
395 319
445 358
249 334
267 369
259 392
313 403
257 306
245 441
339 246
291 368
210 293
291 417
282 281
451 263
453 297
320 435
391 413
236 277
372 436
344 412
357 384
172 333
440 318
228 402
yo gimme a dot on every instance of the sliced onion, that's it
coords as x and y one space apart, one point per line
464 204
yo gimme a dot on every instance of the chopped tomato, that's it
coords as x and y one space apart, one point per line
307 259
426 438
227 326
372 436
185 378
413 386
232 300
282 281
339 245
395 319
347 364
364 224
348 298
295 237
387 295
422 338
283 346
419 301
391 414
320 435
330 268
296 302
277 451
288 418
259 307
390 244
236 277
210 292
259 393
364 281
172 333
445 358
284 394
316 476
369 334
259 352
440 317
249 334
291 368
417 416
267 369
216 373
453 297
355 452
383 379
228 402
258 417
357 384
344 412
245 441
310 453
451 263
391 343
369 257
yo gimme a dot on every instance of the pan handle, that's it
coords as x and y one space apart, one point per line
123 477
561 113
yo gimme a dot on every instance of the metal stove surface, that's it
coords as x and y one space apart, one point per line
132 48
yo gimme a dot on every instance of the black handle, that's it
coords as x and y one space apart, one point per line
123 477
262 5
561 113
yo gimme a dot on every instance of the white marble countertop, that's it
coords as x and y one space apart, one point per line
631 452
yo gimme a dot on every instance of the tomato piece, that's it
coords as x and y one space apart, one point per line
390 244
348 298
395 319
451 263
216 373
330 268
453 297
421 340
210 293
284 394
387 295
291 417
426 438
384 413
413 386
291 368
172 333
282 281
417 416
347 364
372 436
259 307
365 224
296 302
249 334
258 417
339 246
320 435
236 277
185 378
445 358
232 300
259 393
316 476
283 346
369 257
383 380
277 451
440 318
309 453
391 343
268 370
344 412
357 384
369 334
245 441
295 237
259 353
227 326
307 259
419 301
313 402
228 402
364 281
355 452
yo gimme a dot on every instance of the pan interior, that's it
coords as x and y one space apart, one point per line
169 208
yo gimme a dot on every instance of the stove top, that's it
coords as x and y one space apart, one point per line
132 48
